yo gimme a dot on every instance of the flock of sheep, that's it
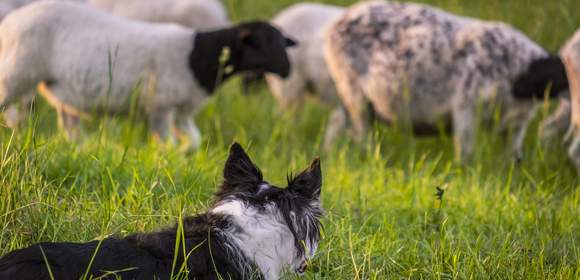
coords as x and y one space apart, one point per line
393 62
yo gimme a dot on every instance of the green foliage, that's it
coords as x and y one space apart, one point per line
496 219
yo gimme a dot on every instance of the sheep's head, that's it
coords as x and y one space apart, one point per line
262 48
255 47
542 74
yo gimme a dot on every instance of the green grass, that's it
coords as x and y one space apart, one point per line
497 219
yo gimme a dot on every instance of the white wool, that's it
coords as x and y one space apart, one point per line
264 239
418 64
197 14
96 59
570 55
7 6
305 23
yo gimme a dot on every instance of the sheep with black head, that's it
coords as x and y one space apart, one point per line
89 61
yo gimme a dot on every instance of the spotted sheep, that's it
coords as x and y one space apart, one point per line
93 67
408 62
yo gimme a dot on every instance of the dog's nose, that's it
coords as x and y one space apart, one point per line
302 267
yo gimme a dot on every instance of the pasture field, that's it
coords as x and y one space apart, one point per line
496 220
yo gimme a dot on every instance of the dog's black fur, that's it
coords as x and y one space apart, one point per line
254 46
542 73
209 251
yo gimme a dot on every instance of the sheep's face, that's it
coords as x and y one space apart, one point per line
542 74
262 48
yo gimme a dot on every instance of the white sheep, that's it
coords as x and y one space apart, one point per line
197 14
570 54
90 61
7 6
418 64
200 15
13 114
305 22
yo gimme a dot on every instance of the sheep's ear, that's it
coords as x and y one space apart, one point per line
246 37
240 169
309 182
290 42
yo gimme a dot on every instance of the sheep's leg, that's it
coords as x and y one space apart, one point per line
18 73
521 127
68 123
15 113
185 125
160 124
14 94
557 123
289 91
569 136
518 117
359 117
336 124
574 151
348 87
68 116
357 107
463 131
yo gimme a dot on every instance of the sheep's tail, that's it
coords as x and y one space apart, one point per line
45 92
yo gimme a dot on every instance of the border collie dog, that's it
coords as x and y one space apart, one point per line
255 230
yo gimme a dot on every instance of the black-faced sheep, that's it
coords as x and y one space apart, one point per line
418 64
201 15
93 66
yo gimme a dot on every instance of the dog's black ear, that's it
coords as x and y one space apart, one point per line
240 169
309 182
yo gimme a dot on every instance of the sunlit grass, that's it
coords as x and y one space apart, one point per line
496 220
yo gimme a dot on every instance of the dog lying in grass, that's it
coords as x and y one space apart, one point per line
255 230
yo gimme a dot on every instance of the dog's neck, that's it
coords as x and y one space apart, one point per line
261 237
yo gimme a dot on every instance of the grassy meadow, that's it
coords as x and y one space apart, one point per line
497 219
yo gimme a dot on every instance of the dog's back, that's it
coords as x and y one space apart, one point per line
203 254
113 257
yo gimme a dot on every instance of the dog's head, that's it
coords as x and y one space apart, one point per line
292 214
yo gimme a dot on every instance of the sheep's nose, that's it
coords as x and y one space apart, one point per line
302 267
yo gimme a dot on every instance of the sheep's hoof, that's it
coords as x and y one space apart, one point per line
518 157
